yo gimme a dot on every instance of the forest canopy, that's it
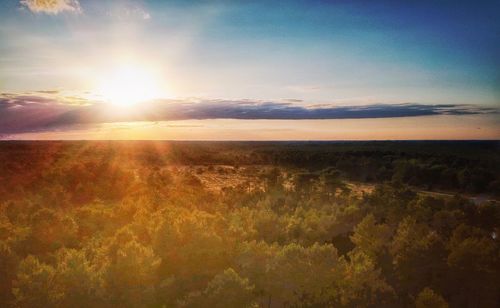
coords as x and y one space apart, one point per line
242 224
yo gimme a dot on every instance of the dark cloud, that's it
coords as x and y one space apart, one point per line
31 113
215 109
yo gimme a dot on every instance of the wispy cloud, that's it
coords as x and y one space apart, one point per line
46 111
129 11
52 6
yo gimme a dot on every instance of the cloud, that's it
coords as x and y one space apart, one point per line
34 112
129 12
49 91
252 110
52 6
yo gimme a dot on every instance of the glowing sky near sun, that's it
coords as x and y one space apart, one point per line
305 54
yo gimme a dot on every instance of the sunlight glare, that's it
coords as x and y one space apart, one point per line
128 85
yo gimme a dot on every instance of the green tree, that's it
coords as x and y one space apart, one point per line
227 289
51 230
475 267
131 271
418 255
8 265
79 281
362 284
272 179
371 238
35 284
430 299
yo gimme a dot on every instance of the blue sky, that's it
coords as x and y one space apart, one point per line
341 53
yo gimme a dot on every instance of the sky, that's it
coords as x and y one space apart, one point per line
249 70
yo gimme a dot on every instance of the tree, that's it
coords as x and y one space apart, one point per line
227 289
79 281
474 265
191 248
272 179
302 275
35 284
331 181
304 183
51 230
418 255
8 265
130 272
430 299
362 284
371 238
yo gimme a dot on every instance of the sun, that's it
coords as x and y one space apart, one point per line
127 85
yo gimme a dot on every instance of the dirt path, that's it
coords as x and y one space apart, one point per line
360 188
